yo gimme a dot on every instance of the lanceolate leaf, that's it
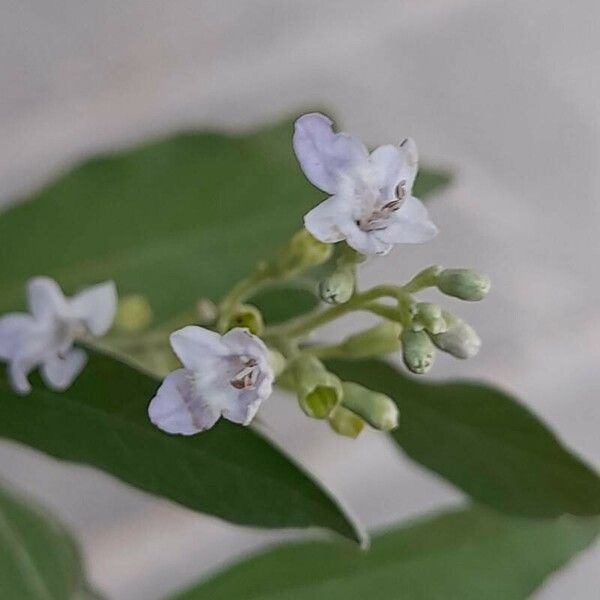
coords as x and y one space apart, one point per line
38 560
230 471
484 442
467 555
175 220
285 302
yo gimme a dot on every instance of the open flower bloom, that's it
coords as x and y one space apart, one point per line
45 337
371 204
227 376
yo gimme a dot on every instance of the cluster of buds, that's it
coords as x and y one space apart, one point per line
432 327
224 359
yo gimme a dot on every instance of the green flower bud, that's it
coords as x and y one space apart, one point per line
460 339
428 316
418 351
277 361
245 315
207 311
304 251
378 410
345 422
319 391
348 256
338 287
133 313
381 339
464 284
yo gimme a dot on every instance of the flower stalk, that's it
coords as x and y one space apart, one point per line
221 360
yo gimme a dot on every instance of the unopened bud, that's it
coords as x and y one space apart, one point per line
348 256
277 361
428 316
460 339
246 316
345 422
338 287
319 391
305 251
377 409
206 311
381 339
418 351
464 284
133 313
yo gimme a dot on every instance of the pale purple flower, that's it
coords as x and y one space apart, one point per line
223 376
371 205
44 337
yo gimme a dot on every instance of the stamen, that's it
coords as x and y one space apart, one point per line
392 206
378 219
246 378
401 191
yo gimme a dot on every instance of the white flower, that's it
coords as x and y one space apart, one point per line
227 376
371 204
45 337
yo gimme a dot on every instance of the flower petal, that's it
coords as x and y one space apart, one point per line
17 374
175 409
59 373
322 154
409 225
19 368
32 350
240 341
387 162
45 298
196 346
323 221
243 410
96 306
14 328
410 162
366 242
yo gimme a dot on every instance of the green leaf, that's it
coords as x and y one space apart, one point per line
483 441
430 181
230 471
175 220
38 559
468 555
281 303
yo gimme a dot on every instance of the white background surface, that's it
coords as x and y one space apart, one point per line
505 92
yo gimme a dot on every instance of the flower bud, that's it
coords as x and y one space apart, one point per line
418 351
338 287
345 422
460 339
428 316
206 311
381 339
464 284
277 361
133 313
245 315
319 391
304 251
348 256
378 410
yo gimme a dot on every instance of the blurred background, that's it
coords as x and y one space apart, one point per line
504 93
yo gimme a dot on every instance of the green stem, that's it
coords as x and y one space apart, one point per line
424 279
138 343
387 312
244 289
360 301
326 352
